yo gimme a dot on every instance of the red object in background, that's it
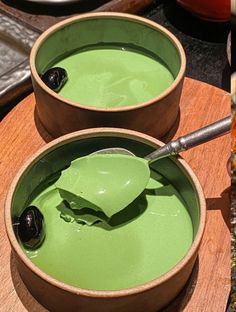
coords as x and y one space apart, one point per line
211 10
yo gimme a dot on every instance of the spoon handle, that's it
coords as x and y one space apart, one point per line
192 139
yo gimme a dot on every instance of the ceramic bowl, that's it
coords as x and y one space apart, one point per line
58 296
60 115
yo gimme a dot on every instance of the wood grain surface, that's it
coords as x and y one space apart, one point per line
209 285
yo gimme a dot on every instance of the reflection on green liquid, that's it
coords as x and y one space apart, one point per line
142 242
109 77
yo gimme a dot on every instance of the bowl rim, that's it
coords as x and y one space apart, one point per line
107 15
85 134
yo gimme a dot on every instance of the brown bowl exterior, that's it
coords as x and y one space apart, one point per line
149 297
60 116
149 300
155 119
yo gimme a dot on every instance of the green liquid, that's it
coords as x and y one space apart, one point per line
103 257
109 78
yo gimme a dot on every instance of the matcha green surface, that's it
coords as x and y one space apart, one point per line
109 78
143 241
96 181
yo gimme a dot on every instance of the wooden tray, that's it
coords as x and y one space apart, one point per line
209 286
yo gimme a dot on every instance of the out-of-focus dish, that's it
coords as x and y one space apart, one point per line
212 10
54 2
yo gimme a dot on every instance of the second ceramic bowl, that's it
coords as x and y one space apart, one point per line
142 45
52 289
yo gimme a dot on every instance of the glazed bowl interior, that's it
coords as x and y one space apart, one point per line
83 33
52 161
114 30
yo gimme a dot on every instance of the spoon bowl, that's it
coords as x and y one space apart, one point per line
107 182
190 140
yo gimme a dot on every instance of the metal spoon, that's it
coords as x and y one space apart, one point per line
116 180
183 143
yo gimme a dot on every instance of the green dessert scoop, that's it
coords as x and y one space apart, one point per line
181 144
107 182
110 179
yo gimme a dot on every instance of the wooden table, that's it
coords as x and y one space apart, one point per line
209 286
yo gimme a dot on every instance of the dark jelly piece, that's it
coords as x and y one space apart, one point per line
55 78
31 227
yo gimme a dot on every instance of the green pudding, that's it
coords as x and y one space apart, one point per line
136 245
111 77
